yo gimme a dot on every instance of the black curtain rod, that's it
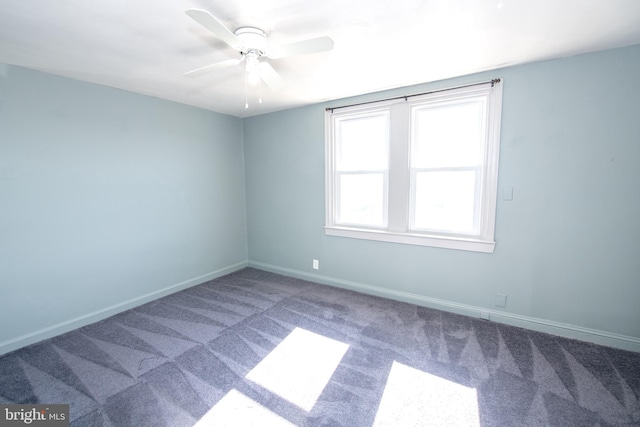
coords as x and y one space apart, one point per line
405 97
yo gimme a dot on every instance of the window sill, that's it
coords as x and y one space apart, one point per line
459 243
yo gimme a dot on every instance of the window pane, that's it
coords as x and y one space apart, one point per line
361 199
448 136
444 201
363 143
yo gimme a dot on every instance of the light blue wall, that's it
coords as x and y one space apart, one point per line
568 245
108 199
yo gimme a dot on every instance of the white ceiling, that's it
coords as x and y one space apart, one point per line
145 46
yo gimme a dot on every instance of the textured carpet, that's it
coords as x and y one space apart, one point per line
256 348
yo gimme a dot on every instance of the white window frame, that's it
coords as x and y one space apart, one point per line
399 180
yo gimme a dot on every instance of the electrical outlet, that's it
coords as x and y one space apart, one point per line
316 264
501 300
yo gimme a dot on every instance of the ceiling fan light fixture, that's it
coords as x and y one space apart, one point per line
250 41
253 40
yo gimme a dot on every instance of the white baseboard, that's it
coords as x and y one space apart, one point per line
78 322
541 325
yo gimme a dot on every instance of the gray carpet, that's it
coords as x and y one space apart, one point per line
211 353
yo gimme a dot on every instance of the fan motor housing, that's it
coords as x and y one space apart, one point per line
254 40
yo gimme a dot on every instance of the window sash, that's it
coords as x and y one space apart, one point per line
383 224
418 107
474 230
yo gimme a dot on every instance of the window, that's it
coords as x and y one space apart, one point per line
420 170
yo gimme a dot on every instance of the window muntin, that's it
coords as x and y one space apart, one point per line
426 174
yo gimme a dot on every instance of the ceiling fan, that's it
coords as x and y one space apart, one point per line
253 45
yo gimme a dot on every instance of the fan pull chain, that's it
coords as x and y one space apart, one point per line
246 96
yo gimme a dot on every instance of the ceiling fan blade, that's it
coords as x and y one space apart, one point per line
318 44
204 70
271 77
212 24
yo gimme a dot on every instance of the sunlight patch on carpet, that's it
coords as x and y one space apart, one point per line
236 409
416 398
300 367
